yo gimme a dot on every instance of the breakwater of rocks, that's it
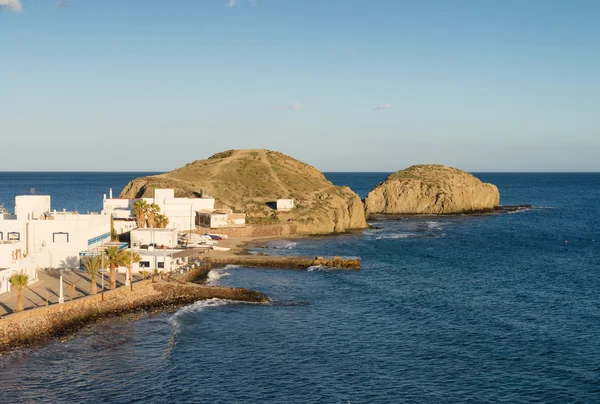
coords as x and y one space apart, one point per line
290 262
44 323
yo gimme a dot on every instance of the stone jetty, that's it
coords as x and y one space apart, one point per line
43 323
289 262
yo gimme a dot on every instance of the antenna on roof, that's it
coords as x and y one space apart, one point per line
32 190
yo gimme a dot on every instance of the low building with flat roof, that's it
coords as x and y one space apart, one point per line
157 237
180 211
284 205
220 218
52 239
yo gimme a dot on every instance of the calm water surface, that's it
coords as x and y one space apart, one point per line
446 309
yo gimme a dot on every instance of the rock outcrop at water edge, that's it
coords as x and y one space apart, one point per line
251 180
432 189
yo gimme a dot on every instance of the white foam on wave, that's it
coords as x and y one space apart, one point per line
314 268
195 308
512 212
396 235
290 245
435 225
321 268
371 232
410 235
216 274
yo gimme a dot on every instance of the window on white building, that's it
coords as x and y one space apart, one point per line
144 264
61 238
13 236
161 264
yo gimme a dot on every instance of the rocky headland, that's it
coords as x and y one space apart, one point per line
251 181
432 189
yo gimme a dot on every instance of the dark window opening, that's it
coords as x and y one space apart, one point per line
60 237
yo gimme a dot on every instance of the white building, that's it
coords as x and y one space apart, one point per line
52 239
158 237
12 261
220 218
284 205
180 211
152 259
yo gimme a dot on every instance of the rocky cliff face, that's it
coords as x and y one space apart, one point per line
251 180
431 189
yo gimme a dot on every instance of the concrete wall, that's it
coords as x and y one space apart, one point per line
10 252
154 262
285 204
118 208
25 266
211 220
42 323
28 207
236 219
56 242
62 239
164 237
124 226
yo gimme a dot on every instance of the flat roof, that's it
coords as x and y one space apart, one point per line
155 253
154 229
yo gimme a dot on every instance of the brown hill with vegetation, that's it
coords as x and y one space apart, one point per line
250 180
431 189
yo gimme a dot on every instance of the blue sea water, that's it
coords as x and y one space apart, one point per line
453 309
73 191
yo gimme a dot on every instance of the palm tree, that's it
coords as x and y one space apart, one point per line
19 281
153 211
115 258
113 233
162 221
140 211
92 266
130 257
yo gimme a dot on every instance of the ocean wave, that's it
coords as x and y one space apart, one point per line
287 303
511 212
435 225
321 268
371 232
196 308
409 235
290 245
216 274
398 235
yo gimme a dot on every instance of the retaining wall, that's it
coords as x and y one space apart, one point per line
36 325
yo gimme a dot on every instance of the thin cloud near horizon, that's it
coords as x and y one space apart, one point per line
233 3
382 107
294 106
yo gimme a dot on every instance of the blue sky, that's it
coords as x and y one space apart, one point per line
343 85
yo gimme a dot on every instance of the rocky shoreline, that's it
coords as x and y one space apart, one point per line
498 210
39 325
